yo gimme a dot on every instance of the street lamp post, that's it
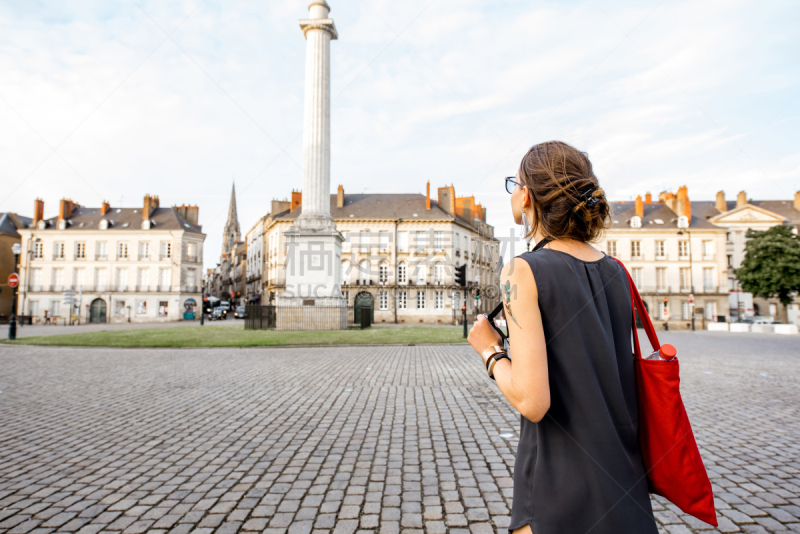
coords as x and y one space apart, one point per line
691 272
12 323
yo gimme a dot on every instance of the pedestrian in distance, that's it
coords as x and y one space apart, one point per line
569 370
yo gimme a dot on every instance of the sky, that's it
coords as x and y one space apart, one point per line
114 100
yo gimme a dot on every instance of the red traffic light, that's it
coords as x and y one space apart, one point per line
463 307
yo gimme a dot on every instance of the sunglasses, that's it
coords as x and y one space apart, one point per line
510 183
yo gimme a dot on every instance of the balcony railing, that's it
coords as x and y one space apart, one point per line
190 289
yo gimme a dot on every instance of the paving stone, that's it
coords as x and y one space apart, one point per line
413 448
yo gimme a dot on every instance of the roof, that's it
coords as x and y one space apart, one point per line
9 223
383 206
702 210
83 218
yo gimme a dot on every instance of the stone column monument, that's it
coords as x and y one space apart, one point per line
313 298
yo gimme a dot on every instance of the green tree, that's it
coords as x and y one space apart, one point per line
771 266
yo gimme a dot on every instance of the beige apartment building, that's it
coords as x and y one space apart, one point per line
115 264
679 250
10 223
399 254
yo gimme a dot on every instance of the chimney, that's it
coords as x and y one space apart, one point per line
797 201
297 199
447 199
279 206
648 198
428 196
38 210
684 204
147 208
741 199
340 196
192 215
639 206
668 199
104 207
65 209
483 214
721 205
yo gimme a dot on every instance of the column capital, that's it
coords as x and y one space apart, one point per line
319 24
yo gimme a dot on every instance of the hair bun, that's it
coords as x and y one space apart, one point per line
567 199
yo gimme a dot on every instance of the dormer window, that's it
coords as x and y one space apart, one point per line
683 221
146 224
636 222
62 224
104 224
42 225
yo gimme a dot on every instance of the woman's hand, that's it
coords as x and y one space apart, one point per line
482 335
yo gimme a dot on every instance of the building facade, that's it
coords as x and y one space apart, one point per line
115 264
399 254
254 241
10 223
682 255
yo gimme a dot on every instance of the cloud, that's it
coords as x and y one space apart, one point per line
658 94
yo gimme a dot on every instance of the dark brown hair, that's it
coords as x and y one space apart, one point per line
566 196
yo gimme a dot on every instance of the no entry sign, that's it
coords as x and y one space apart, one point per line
13 280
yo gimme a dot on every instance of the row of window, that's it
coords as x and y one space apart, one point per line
382 239
659 250
120 308
709 310
420 298
79 281
420 273
101 250
685 278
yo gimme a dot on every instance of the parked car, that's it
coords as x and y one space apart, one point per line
761 320
239 313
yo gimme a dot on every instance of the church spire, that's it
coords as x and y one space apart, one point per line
231 234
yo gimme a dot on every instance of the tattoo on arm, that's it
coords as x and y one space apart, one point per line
507 300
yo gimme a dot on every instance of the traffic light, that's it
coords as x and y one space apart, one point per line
478 293
461 275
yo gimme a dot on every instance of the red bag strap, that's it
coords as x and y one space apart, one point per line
637 306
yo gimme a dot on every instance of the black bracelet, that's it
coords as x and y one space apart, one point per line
497 357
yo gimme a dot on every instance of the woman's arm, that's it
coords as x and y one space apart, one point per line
523 380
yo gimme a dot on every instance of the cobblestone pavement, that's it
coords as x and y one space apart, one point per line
345 439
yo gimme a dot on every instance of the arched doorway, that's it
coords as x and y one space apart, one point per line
97 311
364 298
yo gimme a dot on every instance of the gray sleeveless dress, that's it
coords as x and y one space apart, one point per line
580 470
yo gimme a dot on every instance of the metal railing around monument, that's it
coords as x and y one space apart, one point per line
271 317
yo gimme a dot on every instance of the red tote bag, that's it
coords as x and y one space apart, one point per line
674 467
